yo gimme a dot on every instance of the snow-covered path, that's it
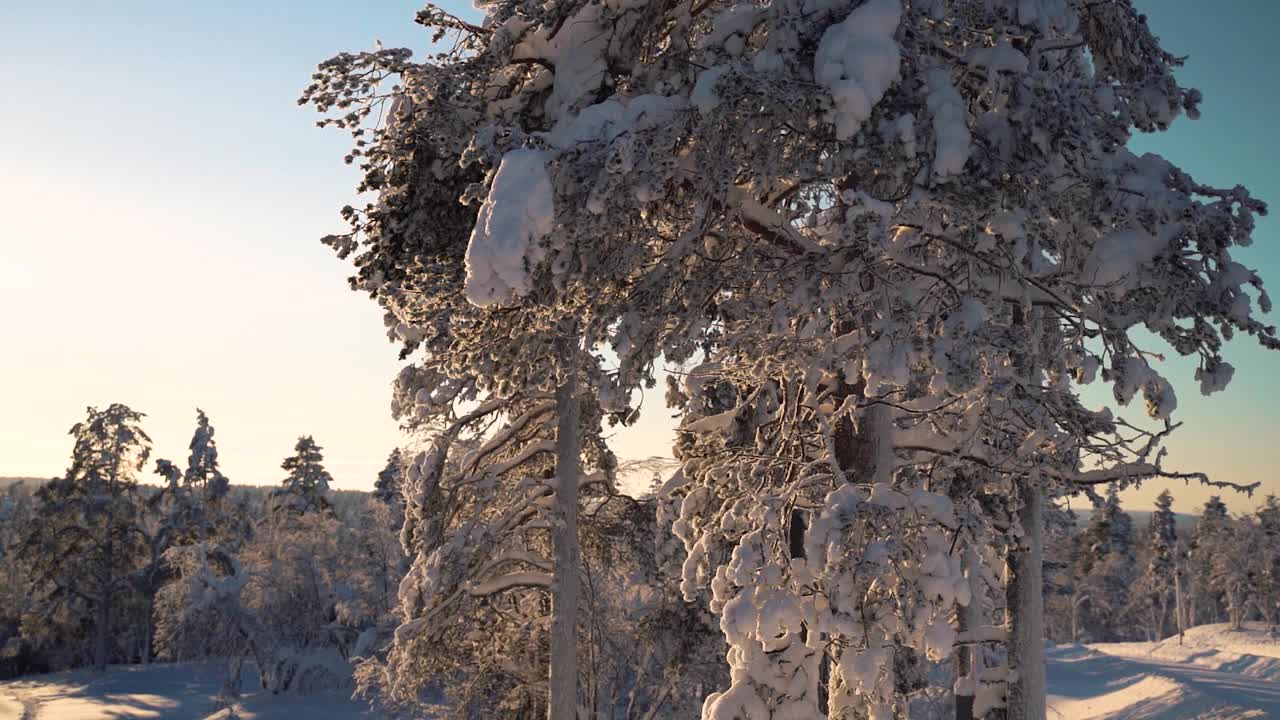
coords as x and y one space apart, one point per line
185 691
1084 683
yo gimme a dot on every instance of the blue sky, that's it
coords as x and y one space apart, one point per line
163 196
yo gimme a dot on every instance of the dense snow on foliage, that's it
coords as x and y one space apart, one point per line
882 244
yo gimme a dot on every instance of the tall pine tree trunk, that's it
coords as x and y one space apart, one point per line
1025 597
562 700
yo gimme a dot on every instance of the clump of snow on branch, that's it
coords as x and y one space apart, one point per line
1117 256
517 215
951 133
857 61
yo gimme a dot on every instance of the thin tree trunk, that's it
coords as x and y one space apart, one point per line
1076 603
969 658
147 631
1178 608
816 669
1025 598
102 631
562 700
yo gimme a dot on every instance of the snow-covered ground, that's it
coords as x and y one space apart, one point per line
1213 673
161 692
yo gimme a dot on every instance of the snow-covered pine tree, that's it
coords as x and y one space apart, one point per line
476 529
1059 560
204 478
812 196
387 488
1266 558
1106 568
1210 536
1233 567
84 546
190 507
191 521
306 488
1157 581
18 594
510 361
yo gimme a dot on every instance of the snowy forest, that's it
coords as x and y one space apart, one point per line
300 584
881 260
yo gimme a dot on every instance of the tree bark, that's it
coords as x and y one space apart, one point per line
562 700
1025 598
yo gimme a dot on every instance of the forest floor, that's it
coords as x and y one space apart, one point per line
1212 673
184 691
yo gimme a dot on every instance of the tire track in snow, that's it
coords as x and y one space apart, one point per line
25 708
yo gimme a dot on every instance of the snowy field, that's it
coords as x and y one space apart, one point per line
1213 674
185 691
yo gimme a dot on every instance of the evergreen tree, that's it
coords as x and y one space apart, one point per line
1156 586
1267 558
202 471
1060 531
387 487
195 497
1206 599
1234 567
17 596
190 510
1106 568
84 545
306 488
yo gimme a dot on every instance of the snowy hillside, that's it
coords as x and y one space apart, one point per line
1214 674
1253 651
186 691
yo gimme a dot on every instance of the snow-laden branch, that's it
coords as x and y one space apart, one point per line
768 224
1143 471
983 634
504 436
510 582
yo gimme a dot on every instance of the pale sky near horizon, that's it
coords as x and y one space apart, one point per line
163 197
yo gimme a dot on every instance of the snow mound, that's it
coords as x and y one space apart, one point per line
1087 684
1253 651
1194 681
1254 638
